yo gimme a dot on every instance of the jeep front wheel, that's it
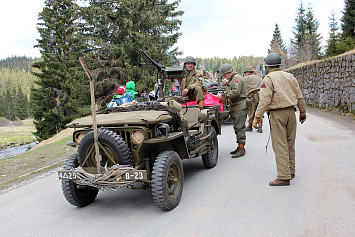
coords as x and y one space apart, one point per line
167 180
211 157
76 195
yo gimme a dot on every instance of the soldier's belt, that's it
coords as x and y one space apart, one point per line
290 107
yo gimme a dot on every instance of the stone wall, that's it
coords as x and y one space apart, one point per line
329 83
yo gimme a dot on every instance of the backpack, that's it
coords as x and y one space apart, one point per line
126 98
114 103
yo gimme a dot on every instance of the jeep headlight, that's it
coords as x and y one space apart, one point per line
137 137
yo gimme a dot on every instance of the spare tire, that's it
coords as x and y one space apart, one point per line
113 150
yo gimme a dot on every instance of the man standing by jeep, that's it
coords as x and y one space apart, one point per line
191 84
279 94
237 95
253 84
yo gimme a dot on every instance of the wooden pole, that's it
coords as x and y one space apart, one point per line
93 114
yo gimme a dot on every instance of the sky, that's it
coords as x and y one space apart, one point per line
210 28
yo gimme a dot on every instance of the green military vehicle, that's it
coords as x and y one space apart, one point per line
141 146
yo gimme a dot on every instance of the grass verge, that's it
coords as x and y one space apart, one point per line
32 163
17 135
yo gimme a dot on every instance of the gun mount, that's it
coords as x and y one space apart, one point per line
165 72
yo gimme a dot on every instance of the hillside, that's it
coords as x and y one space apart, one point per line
15 73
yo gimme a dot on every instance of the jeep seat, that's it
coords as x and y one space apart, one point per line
191 114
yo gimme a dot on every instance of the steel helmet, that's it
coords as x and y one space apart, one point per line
226 68
248 69
273 59
190 59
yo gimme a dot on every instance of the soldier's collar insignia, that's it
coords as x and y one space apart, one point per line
236 81
263 85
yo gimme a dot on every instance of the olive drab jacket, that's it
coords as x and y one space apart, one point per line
253 83
192 80
237 92
279 90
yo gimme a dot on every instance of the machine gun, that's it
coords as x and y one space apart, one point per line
165 72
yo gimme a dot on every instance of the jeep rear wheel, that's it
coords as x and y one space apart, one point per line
76 195
211 157
167 180
113 150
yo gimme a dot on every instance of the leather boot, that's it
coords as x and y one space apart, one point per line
201 104
278 182
240 151
249 128
233 152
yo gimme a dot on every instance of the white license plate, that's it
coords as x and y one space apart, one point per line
135 175
67 174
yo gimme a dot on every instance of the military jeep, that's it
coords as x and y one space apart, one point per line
141 146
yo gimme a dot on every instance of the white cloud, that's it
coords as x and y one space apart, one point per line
229 28
18 27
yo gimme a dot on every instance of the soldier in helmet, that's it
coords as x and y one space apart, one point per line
237 95
253 84
191 84
279 94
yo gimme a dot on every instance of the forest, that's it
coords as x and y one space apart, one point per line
16 82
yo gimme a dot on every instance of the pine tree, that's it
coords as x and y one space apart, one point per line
348 19
333 40
61 44
277 45
119 29
21 104
299 30
347 38
314 38
306 44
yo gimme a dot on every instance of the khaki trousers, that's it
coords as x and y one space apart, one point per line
283 134
196 94
239 117
252 109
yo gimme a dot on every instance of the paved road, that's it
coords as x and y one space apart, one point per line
233 199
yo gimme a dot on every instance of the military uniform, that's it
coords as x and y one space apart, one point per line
237 94
253 84
193 82
279 93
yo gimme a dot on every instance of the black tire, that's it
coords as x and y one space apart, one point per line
76 196
113 144
210 159
167 180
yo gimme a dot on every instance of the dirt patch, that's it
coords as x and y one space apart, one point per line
4 122
63 134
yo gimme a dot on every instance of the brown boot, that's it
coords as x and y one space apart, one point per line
260 130
278 182
201 104
240 151
249 128
233 152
